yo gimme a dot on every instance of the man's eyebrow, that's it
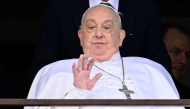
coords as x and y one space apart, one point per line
90 20
108 21
177 48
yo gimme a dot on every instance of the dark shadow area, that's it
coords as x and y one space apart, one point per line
174 8
16 59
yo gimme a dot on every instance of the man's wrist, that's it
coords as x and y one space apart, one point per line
77 93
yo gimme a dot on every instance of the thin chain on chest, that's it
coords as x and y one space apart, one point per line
123 82
125 89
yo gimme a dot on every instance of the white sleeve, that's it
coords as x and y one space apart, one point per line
68 107
76 93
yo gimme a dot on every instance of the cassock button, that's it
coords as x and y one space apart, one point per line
110 83
112 97
107 69
121 70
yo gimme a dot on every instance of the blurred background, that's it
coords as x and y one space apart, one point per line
20 23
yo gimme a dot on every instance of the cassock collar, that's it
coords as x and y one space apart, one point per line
115 57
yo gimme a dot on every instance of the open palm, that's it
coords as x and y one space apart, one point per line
82 71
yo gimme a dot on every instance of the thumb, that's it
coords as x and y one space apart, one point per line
92 82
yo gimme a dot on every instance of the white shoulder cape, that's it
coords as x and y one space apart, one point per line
150 78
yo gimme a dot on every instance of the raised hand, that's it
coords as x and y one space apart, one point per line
82 71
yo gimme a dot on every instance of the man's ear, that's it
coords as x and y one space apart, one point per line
121 36
80 36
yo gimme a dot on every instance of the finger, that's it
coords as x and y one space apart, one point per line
74 69
90 84
85 62
90 64
79 64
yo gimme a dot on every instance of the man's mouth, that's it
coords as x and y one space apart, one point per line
178 69
99 43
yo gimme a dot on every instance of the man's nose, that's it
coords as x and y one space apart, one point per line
183 59
99 33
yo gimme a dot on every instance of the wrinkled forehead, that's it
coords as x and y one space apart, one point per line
176 39
100 9
174 33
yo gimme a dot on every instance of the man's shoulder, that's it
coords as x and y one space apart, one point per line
143 66
141 61
61 63
58 6
143 2
143 5
60 66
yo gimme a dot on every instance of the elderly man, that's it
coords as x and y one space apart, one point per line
141 20
101 73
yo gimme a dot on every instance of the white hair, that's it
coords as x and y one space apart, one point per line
111 7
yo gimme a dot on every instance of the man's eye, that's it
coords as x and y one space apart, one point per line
175 52
106 27
91 27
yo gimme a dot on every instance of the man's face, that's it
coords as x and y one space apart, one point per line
100 35
178 46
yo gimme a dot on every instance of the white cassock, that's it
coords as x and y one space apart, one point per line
148 80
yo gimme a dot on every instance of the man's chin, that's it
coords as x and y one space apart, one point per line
99 52
177 73
101 56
